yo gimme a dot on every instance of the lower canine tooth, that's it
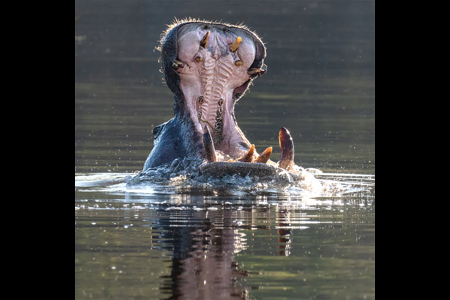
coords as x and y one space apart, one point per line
209 145
287 149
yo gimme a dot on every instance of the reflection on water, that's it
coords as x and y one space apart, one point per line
185 246
203 264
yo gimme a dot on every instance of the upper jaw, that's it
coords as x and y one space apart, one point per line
215 68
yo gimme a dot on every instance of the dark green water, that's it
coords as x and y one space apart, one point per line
166 242
162 246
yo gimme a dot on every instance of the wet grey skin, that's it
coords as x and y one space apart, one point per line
208 67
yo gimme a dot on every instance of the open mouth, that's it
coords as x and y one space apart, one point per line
216 65
208 67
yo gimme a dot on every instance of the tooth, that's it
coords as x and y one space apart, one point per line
177 64
239 63
235 44
264 157
287 149
209 145
218 128
248 157
253 71
256 71
204 41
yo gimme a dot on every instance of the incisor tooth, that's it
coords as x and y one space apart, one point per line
204 41
264 157
248 157
235 44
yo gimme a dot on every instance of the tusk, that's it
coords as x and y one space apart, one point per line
209 145
264 157
287 149
204 41
235 44
248 157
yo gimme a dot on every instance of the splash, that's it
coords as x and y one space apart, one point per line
184 177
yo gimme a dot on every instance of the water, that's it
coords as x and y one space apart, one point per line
160 243
187 239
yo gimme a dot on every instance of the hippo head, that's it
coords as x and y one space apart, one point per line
208 66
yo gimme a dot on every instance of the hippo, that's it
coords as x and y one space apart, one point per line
208 67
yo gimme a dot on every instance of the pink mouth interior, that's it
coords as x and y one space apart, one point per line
209 77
